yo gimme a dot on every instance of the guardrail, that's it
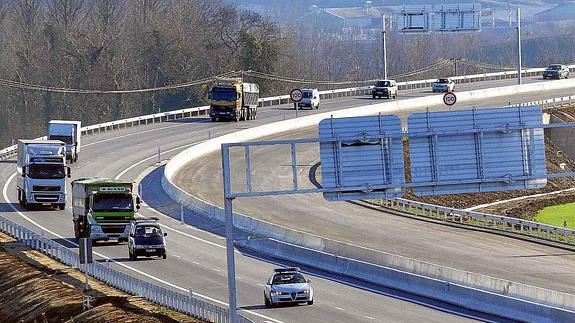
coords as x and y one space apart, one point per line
285 235
282 99
483 220
184 303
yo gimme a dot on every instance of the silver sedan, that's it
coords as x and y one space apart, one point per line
287 285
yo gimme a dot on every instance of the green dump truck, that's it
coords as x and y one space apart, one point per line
103 208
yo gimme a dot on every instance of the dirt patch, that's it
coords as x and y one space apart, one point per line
36 288
525 209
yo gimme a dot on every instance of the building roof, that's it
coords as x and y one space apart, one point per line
354 12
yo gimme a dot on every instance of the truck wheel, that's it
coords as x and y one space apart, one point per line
164 256
76 158
62 206
373 96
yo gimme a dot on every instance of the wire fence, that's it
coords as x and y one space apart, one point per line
183 303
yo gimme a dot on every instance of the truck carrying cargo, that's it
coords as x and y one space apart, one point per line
42 172
103 208
233 99
69 132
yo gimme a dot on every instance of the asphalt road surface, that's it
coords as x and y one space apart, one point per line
196 254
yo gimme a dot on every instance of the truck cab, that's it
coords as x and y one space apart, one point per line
103 208
42 172
146 239
233 99
68 132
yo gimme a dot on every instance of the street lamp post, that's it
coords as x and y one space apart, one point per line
383 49
519 79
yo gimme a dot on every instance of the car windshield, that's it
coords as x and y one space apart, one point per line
46 171
65 139
382 84
442 81
148 231
307 94
226 94
288 278
554 67
113 203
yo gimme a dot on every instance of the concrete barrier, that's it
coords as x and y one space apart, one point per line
468 297
374 257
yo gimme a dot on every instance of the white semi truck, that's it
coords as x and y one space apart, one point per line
69 132
42 172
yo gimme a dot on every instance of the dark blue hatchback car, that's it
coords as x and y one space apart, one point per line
146 239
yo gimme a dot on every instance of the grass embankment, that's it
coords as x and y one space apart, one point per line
558 215
35 288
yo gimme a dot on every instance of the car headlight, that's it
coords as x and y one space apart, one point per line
306 291
139 246
273 293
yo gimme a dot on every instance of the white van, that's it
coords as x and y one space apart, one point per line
310 99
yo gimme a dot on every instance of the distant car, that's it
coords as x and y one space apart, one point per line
556 71
146 239
384 88
443 85
287 285
310 99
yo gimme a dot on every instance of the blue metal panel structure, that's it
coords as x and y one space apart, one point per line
477 150
415 19
365 152
457 17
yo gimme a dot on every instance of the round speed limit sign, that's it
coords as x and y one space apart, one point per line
296 95
449 98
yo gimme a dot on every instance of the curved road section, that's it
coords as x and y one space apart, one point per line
196 254
468 250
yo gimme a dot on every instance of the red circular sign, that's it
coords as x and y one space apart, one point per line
449 98
296 95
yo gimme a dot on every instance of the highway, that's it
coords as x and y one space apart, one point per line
196 257
474 251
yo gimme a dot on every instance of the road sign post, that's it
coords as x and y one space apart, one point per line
86 258
450 152
229 223
296 95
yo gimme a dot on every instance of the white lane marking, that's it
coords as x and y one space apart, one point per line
5 195
325 277
369 317
131 134
177 256
339 308
187 234
217 270
152 157
348 283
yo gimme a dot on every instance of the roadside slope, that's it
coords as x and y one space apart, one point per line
34 287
